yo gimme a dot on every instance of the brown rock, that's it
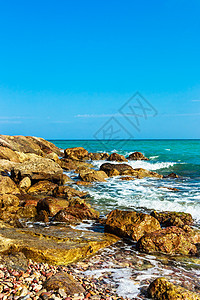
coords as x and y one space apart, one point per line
161 289
142 173
127 178
69 164
38 169
171 240
137 156
51 205
66 179
26 212
172 175
43 187
168 218
8 154
6 166
130 224
7 200
64 281
168 188
116 169
116 157
42 217
76 153
7 186
25 183
74 214
92 175
98 156
83 183
69 192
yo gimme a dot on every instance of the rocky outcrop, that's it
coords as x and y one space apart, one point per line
38 169
76 153
137 156
8 154
130 224
8 186
116 157
90 175
43 187
51 205
168 218
69 164
65 282
161 289
57 247
171 240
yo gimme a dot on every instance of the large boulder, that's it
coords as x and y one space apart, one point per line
69 192
137 156
116 169
76 214
98 156
65 282
8 154
51 205
130 224
6 166
170 240
92 175
173 218
116 157
38 169
8 186
69 164
161 289
43 187
142 173
76 153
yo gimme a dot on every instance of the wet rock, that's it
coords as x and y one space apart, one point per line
66 179
76 153
172 175
69 192
57 247
25 183
7 186
116 157
75 214
92 175
85 183
7 200
171 240
64 281
69 164
98 156
42 217
51 205
168 218
168 188
38 169
142 173
161 289
137 156
43 187
116 169
130 224
127 178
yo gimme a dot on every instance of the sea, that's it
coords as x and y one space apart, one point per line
145 195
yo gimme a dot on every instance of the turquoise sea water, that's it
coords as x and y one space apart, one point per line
166 156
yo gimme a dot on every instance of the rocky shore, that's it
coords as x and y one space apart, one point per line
42 253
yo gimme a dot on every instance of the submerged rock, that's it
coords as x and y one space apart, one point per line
76 153
116 157
161 289
167 218
172 175
137 156
170 240
130 224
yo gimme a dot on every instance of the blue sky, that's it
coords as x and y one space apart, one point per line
67 67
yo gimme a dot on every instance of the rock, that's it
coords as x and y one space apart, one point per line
116 169
51 205
172 175
8 154
69 164
161 289
38 169
130 224
127 178
137 156
42 217
53 246
69 192
66 179
6 166
92 175
76 153
98 156
85 183
142 173
25 183
168 218
116 157
168 188
7 186
171 240
43 187
26 212
75 214
64 281
7 200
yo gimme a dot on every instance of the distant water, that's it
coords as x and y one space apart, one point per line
166 156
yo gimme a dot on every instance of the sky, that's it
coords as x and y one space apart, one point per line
97 69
